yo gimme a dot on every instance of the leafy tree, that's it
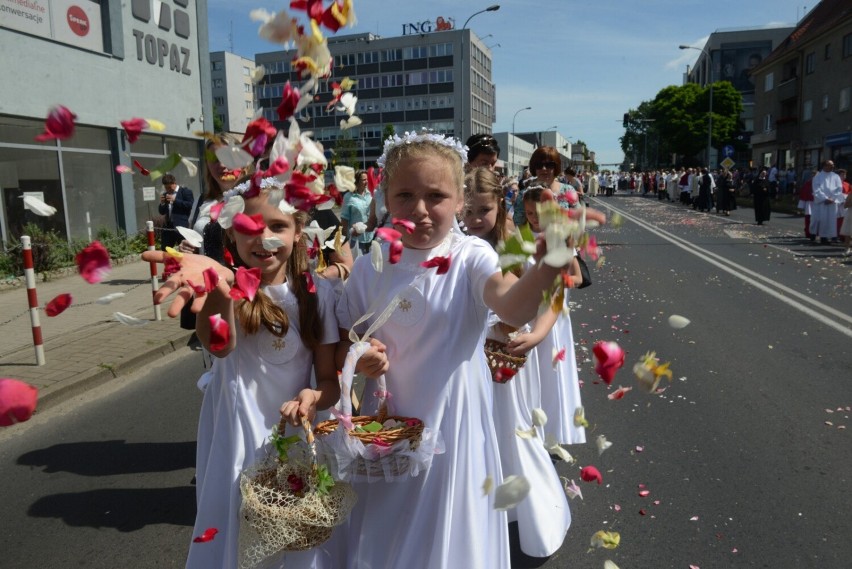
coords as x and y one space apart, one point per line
345 152
388 132
218 123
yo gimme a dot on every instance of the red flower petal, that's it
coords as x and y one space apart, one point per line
249 224
93 262
609 357
171 266
289 100
208 535
17 401
134 128
443 264
220 333
58 125
246 283
142 169
619 393
590 473
258 132
211 279
215 210
407 224
309 280
388 234
395 253
374 177
58 305
504 374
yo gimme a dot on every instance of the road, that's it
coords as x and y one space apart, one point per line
745 454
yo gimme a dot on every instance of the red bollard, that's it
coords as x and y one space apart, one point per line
155 284
32 298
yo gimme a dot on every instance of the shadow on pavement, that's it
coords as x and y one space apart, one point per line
112 457
124 509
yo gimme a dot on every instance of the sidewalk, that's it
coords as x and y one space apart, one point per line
84 346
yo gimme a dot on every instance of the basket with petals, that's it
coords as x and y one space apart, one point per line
289 503
374 447
502 364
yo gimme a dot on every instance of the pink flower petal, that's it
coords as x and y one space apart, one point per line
644 493
590 473
395 253
17 401
388 234
211 279
407 224
122 169
58 305
58 125
220 333
309 280
619 393
93 262
246 283
249 224
609 357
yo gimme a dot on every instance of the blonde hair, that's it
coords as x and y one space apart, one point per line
483 181
262 311
418 151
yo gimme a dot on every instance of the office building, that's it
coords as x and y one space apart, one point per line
233 91
107 62
439 80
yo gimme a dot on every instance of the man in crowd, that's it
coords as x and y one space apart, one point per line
828 198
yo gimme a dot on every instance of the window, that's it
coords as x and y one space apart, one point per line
825 102
392 80
847 45
246 71
247 87
368 57
392 55
767 123
827 53
372 82
769 82
810 63
845 95
418 52
440 49
249 106
217 83
216 65
344 59
807 110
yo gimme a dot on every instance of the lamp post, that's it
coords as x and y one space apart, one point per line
710 112
512 145
466 86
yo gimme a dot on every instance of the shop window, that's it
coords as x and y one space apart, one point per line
36 172
90 194
22 131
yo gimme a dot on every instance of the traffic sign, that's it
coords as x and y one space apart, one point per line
727 151
727 163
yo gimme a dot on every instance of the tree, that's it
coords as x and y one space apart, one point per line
218 123
388 132
345 151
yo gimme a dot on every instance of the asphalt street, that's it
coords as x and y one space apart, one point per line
745 455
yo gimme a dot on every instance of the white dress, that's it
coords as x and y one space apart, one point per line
543 516
241 405
438 374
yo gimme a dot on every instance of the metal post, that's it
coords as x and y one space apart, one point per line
152 246
32 298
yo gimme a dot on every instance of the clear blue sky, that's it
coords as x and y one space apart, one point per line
579 65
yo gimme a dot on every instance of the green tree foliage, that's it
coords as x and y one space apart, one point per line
388 132
345 152
679 126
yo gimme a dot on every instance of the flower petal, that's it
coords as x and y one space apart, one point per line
129 320
511 492
572 490
619 393
208 535
93 262
606 539
38 207
249 224
192 236
58 305
17 401
220 333
590 474
602 444
678 322
109 298
58 125
376 256
272 243
609 358
539 417
487 485
442 263
246 283
233 156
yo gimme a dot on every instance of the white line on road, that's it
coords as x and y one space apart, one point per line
742 272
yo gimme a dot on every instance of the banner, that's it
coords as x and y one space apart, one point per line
72 22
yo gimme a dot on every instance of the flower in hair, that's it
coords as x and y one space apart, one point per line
419 137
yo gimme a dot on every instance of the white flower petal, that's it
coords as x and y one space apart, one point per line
193 237
511 492
376 256
610 565
285 207
232 207
38 207
553 447
677 322
109 298
487 486
257 74
191 169
344 178
272 243
129 320
350 122
527 434
539 417
602 444
233 157
559 257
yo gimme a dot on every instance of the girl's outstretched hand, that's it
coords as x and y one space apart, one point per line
374 362
304 405
521 344
182 282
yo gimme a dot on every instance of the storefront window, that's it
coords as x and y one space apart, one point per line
22 131
34 172
147 144
87 137
89 192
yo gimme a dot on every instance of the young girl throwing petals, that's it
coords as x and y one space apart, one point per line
544 516
275 338
560 383
437 371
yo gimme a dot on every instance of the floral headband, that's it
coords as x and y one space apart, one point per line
423 136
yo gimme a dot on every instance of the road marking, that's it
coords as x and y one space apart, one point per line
740 272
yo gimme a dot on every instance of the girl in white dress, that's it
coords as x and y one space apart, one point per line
543 516
261 374
560 383
436 365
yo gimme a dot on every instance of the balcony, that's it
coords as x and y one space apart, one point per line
789 89
762 137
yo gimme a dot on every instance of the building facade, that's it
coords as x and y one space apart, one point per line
106 61
233 90
733 54
440 81
803 94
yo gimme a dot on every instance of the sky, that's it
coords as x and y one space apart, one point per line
579 65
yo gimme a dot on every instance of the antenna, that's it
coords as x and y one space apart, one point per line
231 37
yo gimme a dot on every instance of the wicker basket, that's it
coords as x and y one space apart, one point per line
277 518
499 359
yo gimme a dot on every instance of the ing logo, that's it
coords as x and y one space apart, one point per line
163 15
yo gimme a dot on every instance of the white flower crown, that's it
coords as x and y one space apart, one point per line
269 183
416 137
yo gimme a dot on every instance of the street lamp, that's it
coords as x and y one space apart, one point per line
710 112
466 91
493 45
512 145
